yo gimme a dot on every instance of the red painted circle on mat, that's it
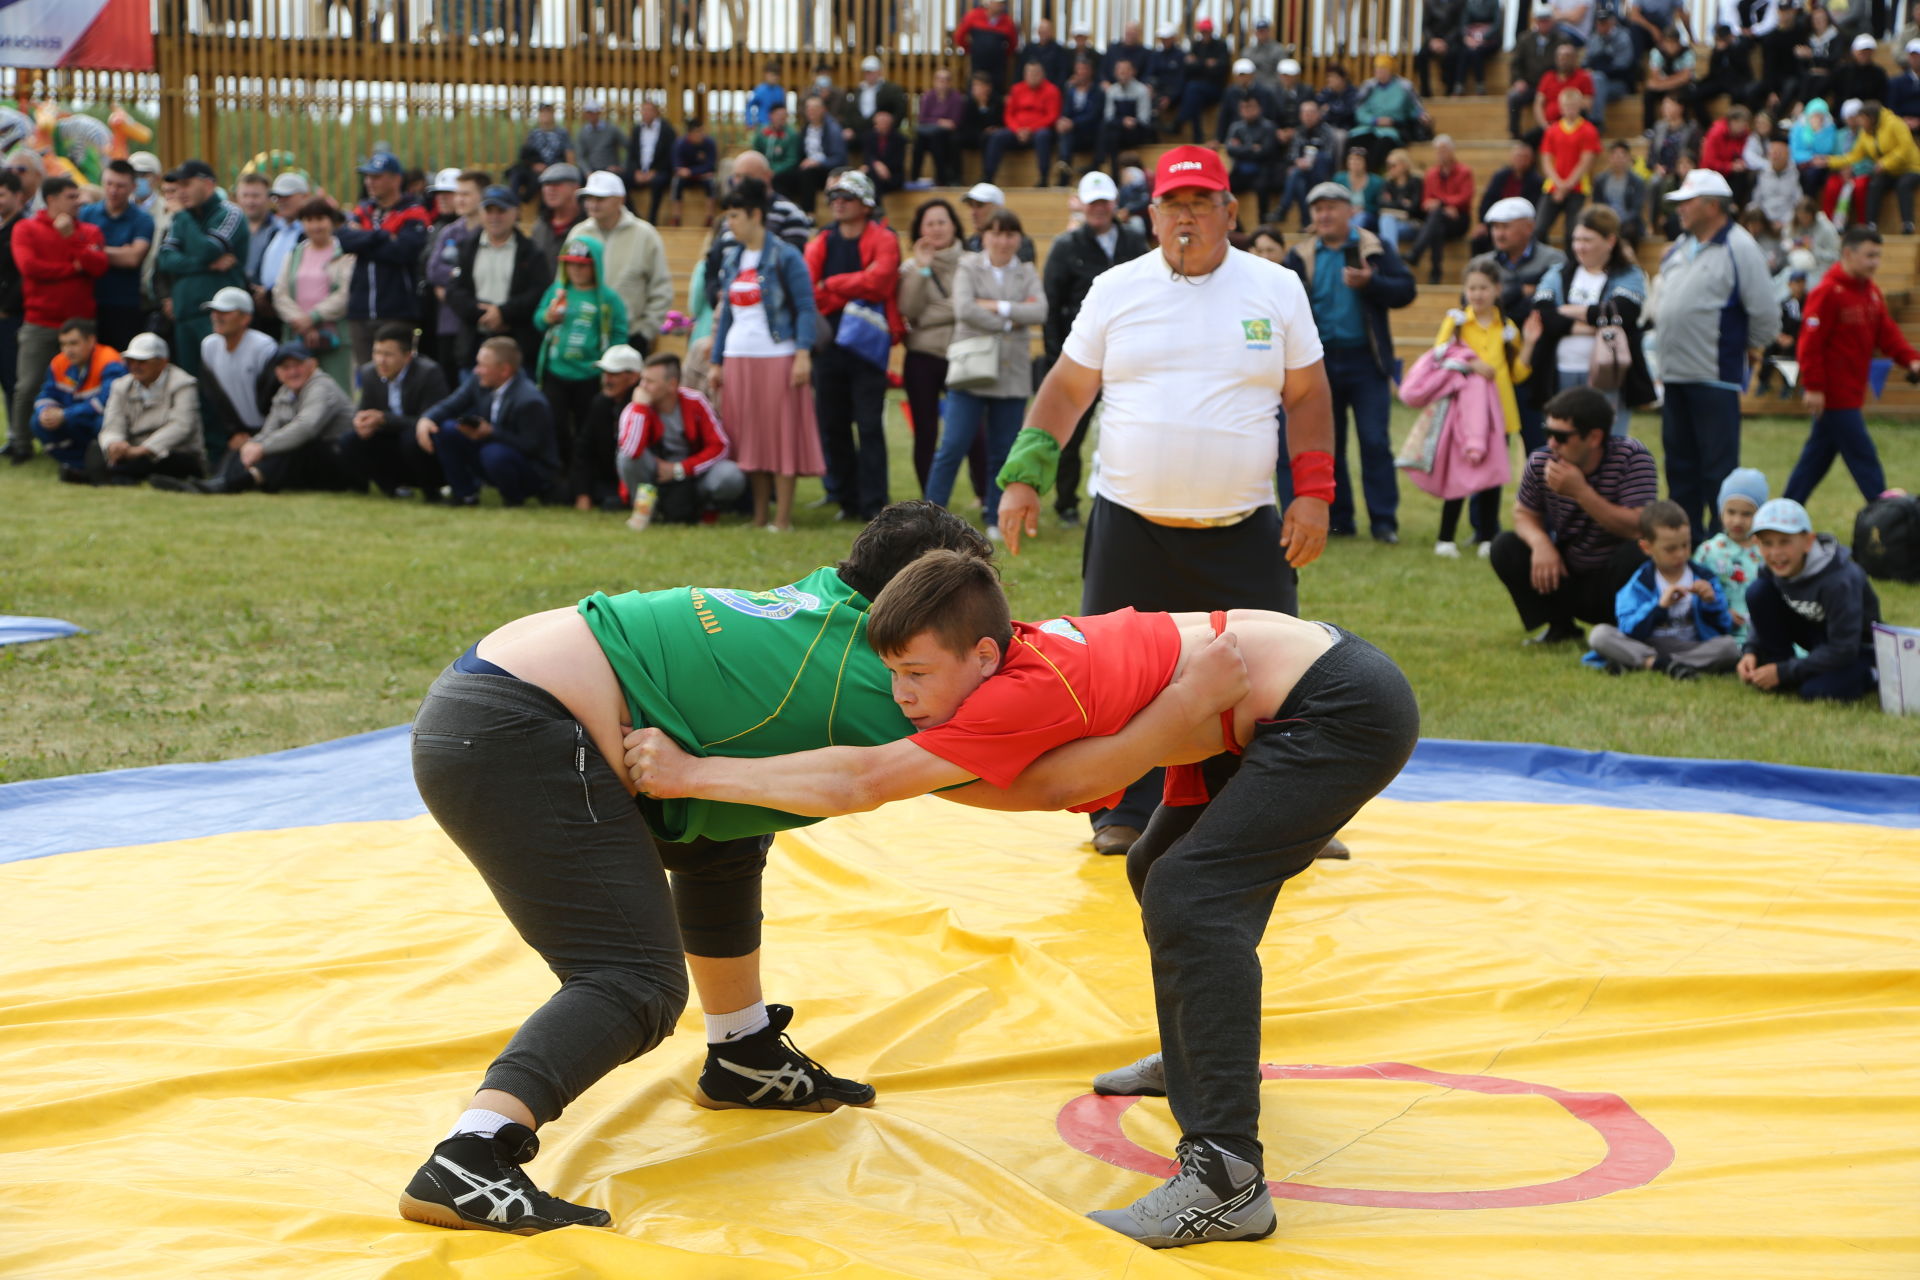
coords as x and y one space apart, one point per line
1637 1153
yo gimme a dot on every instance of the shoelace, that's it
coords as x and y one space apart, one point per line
819 1072
1169 1195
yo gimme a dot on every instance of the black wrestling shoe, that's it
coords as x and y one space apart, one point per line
1554 634
766 1071
476 1184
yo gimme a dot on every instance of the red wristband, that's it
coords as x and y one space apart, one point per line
1313 475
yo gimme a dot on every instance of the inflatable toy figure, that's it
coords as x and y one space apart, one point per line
128 133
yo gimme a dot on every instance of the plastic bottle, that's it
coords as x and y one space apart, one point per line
644 497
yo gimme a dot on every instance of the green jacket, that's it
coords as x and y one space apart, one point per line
782 150
595 318
196 238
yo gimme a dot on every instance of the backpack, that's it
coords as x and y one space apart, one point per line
1886 539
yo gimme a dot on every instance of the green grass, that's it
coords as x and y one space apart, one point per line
228 627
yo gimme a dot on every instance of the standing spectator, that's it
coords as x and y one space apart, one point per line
386 235
72 403
201 253
1622 190
1129 115
763 341
1846 322
936 131
1183 512
253 193
1389 113
1353 278
546 145
1723 151
695 160
594 475
1716 304
496 428
1569 152
152 424
28 166
1265 53
1611 62
1446 204
1473 460
600 145
1033 109
783 217
650 151
1669 75
1083 110
127 231
1056 63
1240 88
581 316
289 193
315 287
987 36
237 359
1903 90
1576 520
294 447
1531 58
1885 151
1253 148
855 260
635 258
1440 36
671 438
59 258
883 153
874 94
499 281
1131 48
926 304
380 446
822 152
1860 77
1573 297
146 187
766 95
1309 160
560 210
1566 74
1076 260
442 331
982 199
1208 63
994 295
778 141
12 303
1166 72
1523 261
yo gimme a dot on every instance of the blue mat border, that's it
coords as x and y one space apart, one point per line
18 628
369 778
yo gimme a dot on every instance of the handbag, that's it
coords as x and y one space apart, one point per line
1612 357
973 364
863 332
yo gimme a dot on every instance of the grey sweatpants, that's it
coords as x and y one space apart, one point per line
1721 653
1206 876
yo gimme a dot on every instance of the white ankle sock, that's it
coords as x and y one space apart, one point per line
479 1124
722 1028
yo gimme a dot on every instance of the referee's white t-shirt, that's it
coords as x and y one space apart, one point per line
1191 374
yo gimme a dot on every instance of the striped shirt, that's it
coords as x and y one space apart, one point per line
1625 477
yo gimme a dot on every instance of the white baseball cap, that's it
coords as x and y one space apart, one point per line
1082 29
230 298
1849 109
1864 42
445 180
1701 182
620 358
146 346
1097 186
291 184
1167 31
1511 209
985 193
593 104
1913 46
869 63
604 182
145 162
1288 67
1243 66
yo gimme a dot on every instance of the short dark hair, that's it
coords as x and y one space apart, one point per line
1271 230
505 350
395 332
253 178
122 167
664 360
1662 514
749 195
1858 235
1004 219
695 122
913 229
318 208
55 185
955 596
478 177
1584 407
901 534
1621 144
78 324
10 181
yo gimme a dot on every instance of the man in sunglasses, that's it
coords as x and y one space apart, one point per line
1572 545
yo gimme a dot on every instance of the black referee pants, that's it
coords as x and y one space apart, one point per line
1585 595
1129 561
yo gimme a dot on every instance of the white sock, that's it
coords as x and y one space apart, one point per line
479 1124
723 1028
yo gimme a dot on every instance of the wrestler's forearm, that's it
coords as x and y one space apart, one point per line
824 783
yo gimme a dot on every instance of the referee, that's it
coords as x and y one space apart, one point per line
1194 348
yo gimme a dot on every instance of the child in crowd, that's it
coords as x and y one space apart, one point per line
1673 614
1732 554
1756 223
581 318
1786 343
1810 594
1135 195
1473 457
1813 231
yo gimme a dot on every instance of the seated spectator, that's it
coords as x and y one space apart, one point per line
593 476
936 131
1135 192
1241 87
1403 199
1669 75
1758 137
1810 597
823 151
1573 20
1045 48
695 160
980 115
546 144
1723 150
1903 90
236 367
1166 71
671 439
310 296
1531 58
582 316
1812 140
1130 48
1519 180
1729 74
499 281
1479 39
1388 114
650 152
1129 115
1754 221
1083 109
1622 190
1548 104
1575 520
1814 232
1338 98
874 94
1884 154
1610 60
1266 54
152 422
1033 110
1648 20
1308 161
603 148
1785 346
1252 149
72 403
1673 613
380 445
778 141
1776 189
1446 195
1860 77
1440 34
1733 554
496 428
1568 153
294 448
884 152
1366 188
1207 67
1815 57
1673 149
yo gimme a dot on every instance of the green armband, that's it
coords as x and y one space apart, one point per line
1034 459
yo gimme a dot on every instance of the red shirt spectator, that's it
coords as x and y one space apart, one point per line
877 281
57 269
1552 83
984 18
1452 186
1722 148
1845 321
1563 147
707 443
1033 107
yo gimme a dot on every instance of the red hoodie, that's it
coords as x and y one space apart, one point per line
1846 320
57 272
978 19
1720 150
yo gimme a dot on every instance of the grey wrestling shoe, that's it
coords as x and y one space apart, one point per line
1215 1196
1146 1078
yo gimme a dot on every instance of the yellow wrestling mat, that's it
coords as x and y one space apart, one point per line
1508 1040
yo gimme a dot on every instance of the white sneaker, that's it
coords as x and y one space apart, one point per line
994 534
1447 550
1486 551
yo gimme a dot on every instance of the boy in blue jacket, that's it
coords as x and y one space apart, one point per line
1673 614
1811 595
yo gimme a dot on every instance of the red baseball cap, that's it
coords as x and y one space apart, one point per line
1205 24
1190 166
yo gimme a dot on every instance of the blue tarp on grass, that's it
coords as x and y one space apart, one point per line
15 629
